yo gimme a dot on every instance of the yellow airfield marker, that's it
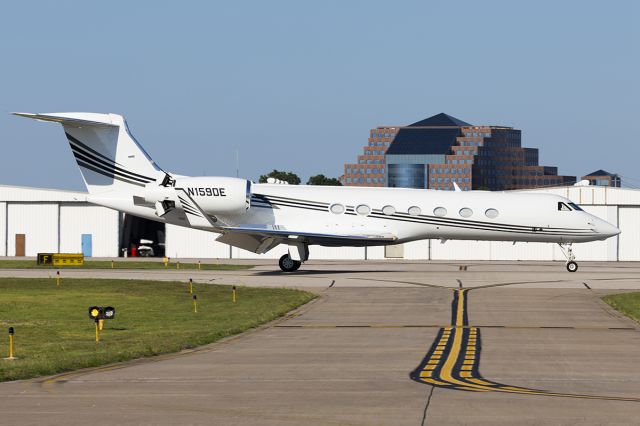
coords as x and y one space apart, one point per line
233 297
195 303
11 357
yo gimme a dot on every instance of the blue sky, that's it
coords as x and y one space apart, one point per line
297 85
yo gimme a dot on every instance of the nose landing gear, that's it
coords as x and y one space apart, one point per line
572 265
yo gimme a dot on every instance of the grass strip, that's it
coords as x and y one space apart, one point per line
626 303
53 332
107 264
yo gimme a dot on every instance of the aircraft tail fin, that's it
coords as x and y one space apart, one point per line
108 155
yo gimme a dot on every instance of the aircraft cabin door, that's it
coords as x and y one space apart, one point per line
87 245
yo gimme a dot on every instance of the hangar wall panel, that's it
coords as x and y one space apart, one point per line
375 253
416 250
630 236
39 223
461 250
185 243
3 229
100 222
505 250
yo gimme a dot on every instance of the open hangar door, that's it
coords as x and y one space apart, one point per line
141 236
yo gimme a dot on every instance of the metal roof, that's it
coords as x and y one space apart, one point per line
27 194
424 141
440 120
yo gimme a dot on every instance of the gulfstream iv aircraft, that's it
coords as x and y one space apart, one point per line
119 174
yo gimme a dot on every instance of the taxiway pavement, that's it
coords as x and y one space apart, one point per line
387 343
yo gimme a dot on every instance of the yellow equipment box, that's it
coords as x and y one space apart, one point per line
67 259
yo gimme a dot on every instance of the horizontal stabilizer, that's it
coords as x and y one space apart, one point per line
72 119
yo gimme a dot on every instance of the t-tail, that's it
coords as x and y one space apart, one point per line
109 157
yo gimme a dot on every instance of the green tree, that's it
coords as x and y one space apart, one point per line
290 177
323 180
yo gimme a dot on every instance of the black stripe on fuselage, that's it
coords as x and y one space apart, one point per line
77 145
82 157
477 225
102 172
103 164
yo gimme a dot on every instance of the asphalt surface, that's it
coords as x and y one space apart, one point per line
387 343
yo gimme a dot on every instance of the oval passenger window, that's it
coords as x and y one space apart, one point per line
466 212
415 211
388 210
363 209
337 208
440 211
491 213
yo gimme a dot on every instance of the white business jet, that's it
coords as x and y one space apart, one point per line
119 174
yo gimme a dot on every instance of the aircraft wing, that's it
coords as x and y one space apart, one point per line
260 239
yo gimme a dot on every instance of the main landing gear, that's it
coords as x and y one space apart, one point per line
572 266
287 264
291 261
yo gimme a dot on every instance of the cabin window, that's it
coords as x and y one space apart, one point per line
440 211
491 213
389 210
563 207
576 207
465 212
415 211
363 209
337 208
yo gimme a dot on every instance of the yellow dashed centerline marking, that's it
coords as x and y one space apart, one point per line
453 360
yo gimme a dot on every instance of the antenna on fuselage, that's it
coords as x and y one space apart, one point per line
237 163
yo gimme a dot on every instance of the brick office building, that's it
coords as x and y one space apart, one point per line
603 178
440 150
369 170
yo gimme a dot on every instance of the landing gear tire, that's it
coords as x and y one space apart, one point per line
287 264
572 266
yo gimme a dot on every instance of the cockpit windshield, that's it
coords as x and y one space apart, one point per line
576 207
567 207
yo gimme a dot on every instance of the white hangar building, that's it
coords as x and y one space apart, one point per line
36 220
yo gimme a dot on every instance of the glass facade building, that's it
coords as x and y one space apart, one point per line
442 150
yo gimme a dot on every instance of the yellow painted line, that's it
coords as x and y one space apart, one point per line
465 374
481 382
425 374
435 382
460 312
473 389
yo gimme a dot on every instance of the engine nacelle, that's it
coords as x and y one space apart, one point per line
218 195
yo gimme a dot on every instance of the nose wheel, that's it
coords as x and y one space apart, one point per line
572 265
287 264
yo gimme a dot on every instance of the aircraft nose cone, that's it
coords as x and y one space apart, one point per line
607 229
